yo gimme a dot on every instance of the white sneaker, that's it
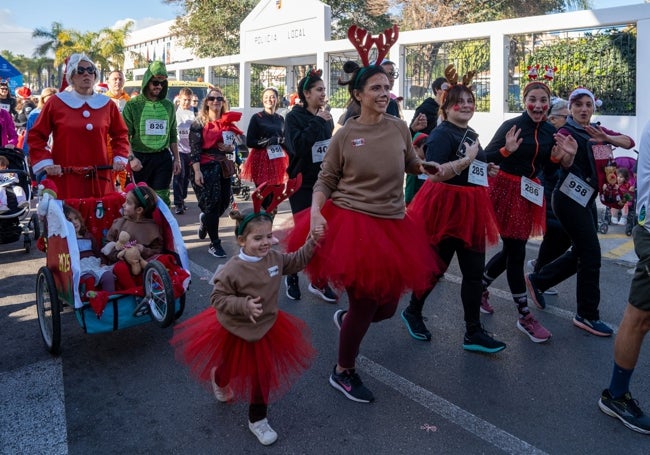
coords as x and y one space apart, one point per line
622 221
263 431
224 394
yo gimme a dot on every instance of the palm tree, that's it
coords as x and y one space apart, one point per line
113 45
54 41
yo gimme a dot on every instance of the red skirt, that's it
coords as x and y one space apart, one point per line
270 365
517 217
379 258
258 168
454 211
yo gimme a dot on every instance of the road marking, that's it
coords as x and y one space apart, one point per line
619 251
447 410
32 409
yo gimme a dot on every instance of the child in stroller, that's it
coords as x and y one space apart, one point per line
15 194
10 190
617 193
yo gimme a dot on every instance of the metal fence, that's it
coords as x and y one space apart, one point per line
602 59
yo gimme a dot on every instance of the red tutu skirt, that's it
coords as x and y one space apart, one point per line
258 168
379 258
454 211
517 217
270 365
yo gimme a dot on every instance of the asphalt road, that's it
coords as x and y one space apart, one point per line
125 393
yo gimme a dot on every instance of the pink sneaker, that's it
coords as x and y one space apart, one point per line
485 303
531 327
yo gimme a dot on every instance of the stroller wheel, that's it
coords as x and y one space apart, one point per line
48 308
603 228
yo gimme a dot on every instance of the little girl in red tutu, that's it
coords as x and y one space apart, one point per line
248 349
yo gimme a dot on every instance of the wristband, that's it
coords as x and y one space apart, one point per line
504 151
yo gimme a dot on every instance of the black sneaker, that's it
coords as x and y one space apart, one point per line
349 384
338 318
293 290
179 210
481 341
415 325
626 409
324 293
536 295
202 230
217 251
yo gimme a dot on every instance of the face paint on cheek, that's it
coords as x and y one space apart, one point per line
531 107
456 107
545 107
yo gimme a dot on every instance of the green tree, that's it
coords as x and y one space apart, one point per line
211 27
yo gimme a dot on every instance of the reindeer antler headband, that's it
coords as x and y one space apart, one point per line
452 76
362 40
280 192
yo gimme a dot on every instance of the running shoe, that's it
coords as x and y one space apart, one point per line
593 326
217 250
293 290
415 325
349 384
202 229
486 308
326 293
626 409
536 295
531 327
338 318
481 341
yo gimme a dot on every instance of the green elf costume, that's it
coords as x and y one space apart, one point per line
151 120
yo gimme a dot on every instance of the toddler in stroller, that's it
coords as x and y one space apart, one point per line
15 194
618 193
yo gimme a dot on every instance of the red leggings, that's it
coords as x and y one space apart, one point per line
362 312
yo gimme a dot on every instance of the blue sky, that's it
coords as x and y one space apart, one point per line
18 18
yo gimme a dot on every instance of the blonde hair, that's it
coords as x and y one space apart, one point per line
203 115
46 93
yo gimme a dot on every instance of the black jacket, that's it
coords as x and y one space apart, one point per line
302 130
533 153
430 108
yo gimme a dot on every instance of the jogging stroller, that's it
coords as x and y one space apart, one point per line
16 217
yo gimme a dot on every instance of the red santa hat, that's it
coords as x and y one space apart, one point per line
24 92
102 87
48 186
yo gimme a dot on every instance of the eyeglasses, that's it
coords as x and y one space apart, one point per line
156 82
85 69
559 115
393 74
215 98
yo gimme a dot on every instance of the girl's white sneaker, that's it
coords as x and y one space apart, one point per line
263 431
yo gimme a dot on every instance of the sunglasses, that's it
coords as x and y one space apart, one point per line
156 83
215 98
393 74
89 69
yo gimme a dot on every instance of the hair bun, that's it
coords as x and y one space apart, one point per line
350 67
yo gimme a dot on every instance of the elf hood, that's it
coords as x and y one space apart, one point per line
155 69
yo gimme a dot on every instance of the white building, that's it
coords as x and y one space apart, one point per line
290 33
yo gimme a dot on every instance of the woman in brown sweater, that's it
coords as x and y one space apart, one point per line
358 200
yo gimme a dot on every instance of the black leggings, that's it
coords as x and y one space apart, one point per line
511 259
471 266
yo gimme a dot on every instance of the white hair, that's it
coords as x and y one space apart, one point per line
73 63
